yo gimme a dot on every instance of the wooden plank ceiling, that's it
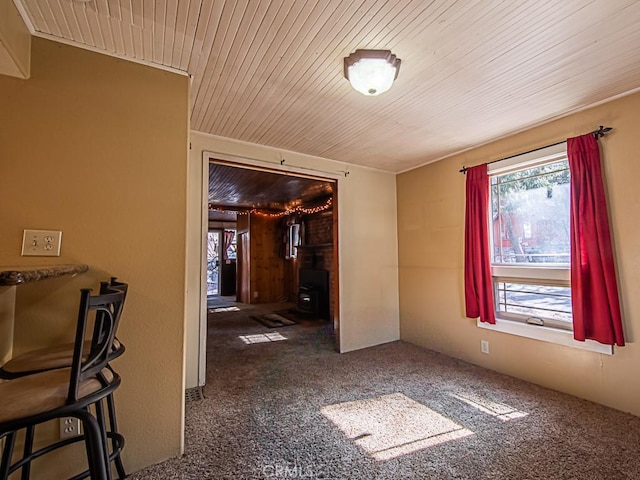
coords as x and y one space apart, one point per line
231 187
270 71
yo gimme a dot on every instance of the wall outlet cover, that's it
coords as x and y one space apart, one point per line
69 427
41 243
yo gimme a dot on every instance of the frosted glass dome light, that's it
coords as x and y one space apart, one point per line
371 72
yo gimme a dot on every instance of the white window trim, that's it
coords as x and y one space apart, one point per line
551 273
545 334
558 275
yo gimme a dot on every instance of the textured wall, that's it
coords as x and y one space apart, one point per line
367 244
15 42
431 237
97 147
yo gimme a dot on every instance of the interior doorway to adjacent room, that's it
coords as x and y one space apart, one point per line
284 225
213 263
221 262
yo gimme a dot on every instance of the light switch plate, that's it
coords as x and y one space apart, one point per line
41 243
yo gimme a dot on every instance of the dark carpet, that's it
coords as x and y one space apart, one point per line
273 320
215 301
283 404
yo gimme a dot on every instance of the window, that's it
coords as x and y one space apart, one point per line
293 240
529 232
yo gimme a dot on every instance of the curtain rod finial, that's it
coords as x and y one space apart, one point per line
601 131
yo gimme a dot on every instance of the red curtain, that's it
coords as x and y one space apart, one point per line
226 242
594 289
478 285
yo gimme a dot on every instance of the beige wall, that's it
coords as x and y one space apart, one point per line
97 147
367 243
15 42
431 232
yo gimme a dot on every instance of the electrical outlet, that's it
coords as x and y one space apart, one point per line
69 427
484 346
41 243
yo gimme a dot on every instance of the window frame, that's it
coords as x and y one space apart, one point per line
552 274
293 240
555 277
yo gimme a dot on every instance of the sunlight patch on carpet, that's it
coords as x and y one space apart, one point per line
392 425
262 338
495 409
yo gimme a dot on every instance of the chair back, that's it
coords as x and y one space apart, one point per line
113 285
98 316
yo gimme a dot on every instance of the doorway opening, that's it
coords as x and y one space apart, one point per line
213 263
273 235
221 262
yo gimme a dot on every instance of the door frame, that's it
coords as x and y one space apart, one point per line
254 164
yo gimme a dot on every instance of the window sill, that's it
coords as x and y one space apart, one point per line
545 334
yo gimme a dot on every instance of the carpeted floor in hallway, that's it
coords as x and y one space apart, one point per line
282 404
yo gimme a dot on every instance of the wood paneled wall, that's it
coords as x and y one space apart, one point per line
243 265
267 260
261 264
264 276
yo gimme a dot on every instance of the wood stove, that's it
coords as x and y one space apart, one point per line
313 292
308 300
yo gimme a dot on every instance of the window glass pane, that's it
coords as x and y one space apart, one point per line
541 301
496 231
530 226
293 240
530 215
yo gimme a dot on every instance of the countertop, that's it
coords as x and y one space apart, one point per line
22 274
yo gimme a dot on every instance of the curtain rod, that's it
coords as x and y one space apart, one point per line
596 133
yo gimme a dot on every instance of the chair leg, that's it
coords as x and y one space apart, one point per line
28 450
7 454
98 464
113 426
103 432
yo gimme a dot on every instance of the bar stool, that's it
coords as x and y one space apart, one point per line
58 356
69 390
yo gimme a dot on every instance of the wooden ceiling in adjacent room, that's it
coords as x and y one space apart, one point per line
242 188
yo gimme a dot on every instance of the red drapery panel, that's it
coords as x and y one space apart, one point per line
594 289
478 285
226 242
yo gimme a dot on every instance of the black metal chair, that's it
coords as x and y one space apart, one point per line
69 391
58 356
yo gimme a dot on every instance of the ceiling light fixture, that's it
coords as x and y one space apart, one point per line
371 72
